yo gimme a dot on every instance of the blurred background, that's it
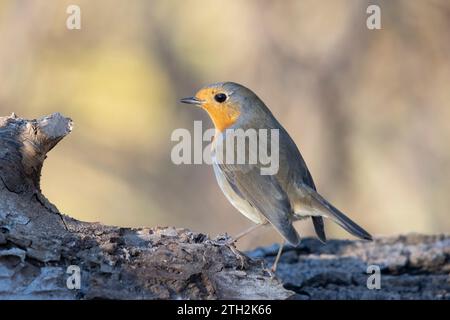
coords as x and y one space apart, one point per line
369 109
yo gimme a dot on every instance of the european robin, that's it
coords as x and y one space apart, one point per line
280 198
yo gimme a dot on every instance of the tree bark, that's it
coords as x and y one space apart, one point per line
124 263
38 244
413 266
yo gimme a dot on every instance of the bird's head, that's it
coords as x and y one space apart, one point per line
225 102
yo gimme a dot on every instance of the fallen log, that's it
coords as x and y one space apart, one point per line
38 244
47 255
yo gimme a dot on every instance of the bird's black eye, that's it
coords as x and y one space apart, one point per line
220 97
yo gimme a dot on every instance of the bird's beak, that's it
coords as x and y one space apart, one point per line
192 100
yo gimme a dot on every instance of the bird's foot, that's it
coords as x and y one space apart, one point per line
239 256
223 240
227 241
270 271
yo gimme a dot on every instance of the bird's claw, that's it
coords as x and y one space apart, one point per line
270 271
239 256
226 240
223 240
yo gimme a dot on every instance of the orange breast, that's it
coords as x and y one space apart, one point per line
223 117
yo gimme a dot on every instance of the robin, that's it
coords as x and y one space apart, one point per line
281 198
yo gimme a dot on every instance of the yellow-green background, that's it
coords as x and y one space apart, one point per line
370 110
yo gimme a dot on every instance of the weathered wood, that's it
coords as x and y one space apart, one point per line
412 267
169 263
124 263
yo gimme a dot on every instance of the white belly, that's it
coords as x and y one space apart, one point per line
242 205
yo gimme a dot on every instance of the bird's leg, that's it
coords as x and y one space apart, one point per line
275 264
247 231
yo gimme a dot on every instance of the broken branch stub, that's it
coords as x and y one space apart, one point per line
23 148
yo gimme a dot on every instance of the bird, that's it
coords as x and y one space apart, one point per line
277 199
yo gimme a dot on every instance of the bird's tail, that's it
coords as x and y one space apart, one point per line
319 227
348 224
327 210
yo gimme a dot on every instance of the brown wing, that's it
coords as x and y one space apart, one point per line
265 194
